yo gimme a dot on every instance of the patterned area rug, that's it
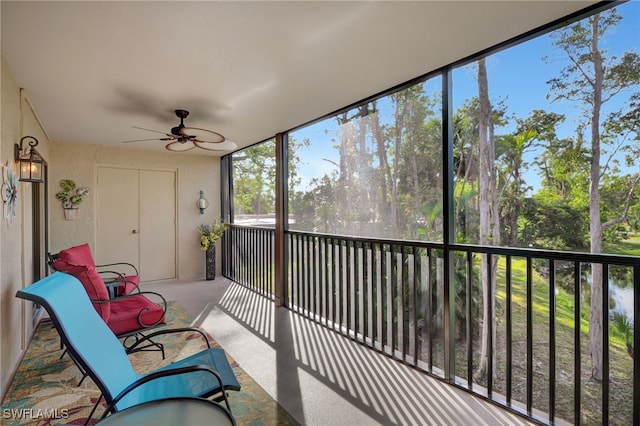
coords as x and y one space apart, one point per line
45 389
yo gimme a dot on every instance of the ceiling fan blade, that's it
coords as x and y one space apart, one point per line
178 146
227 145
151 139
202 135
151 130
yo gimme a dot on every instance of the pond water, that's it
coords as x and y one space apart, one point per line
623 297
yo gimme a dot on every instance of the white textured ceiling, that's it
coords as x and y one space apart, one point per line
248 70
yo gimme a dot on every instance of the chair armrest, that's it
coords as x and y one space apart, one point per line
128 265
162 304
164 373
168 331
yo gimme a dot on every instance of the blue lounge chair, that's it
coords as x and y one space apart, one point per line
99 353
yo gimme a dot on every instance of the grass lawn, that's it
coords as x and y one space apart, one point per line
629 247
621 364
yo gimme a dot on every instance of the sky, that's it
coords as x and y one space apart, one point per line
517 76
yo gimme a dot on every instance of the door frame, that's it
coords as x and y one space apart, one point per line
39 224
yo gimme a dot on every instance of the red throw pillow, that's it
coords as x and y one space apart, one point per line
92 283
78 255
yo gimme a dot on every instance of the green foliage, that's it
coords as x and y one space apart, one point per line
70 196
387 182
551 222
461 290
623 325
254 179
387 179
209 234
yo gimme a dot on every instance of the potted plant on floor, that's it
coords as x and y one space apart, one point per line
209 235
71 197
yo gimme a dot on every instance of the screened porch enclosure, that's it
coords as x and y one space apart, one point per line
390 296
472 223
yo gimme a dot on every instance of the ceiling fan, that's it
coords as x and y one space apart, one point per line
183 138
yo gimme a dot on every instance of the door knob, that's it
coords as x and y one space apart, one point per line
134 232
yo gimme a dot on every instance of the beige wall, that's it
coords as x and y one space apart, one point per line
16 263
80 163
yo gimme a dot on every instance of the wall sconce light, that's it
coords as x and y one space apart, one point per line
202 203
31 163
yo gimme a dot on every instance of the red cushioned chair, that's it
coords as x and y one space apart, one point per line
120 278
127 311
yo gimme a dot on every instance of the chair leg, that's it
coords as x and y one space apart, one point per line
93 410
84 376
84 373
223 397
152 344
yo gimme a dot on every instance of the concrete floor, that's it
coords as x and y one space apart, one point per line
320 377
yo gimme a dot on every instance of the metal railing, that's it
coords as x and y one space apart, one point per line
531 318
248 257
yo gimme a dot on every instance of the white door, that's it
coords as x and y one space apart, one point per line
136 220
117 238
157 224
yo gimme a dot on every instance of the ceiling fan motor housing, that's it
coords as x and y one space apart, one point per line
181 114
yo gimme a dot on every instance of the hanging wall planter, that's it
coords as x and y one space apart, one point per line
71 197
71 214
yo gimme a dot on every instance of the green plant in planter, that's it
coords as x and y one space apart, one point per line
209 234
70 196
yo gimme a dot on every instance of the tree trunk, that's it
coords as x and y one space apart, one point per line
595 228
344 179
489 225
399 128
384 172
364 171
414 173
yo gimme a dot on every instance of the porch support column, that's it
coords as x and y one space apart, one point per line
281 220
449 231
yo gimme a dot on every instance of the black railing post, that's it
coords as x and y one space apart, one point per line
490 325
636 344
469 317
376 300
552 341
281 219
509 331
448 226
417 277
605 344
529 296
429 323
226 209
577 366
